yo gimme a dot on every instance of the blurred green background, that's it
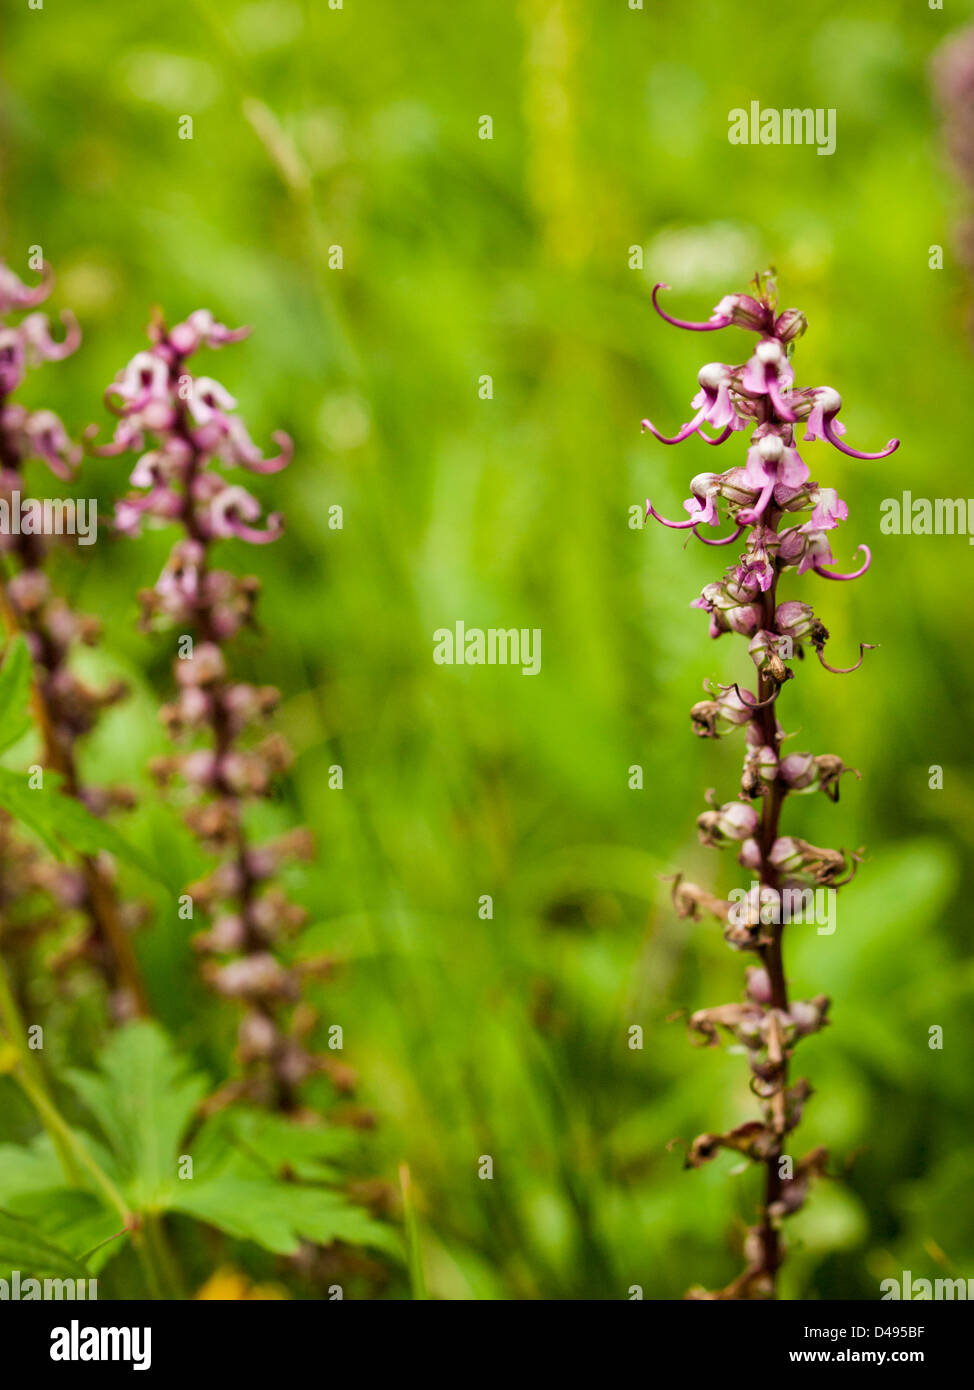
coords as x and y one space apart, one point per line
509 257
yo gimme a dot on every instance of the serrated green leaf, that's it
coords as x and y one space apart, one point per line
32 1167
23 1248
253 1143
143 1098
75 1220
277 1215
14 693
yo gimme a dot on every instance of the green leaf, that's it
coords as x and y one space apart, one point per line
143 1098
276 1215
30 805
21 1247
249 1143
77 1221
25 1168
14 693
57 817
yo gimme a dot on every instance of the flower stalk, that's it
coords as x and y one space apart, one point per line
181 480
64 707
785 519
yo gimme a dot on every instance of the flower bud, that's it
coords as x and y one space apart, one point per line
205 666
735 820
786 854
728 708
808 1015
744 311
258 1037
798 772
252 977
795 620
735 709
744 618
760 769
830 768
822 866
789 325
750 856
758 984
29 589
763 651
705 714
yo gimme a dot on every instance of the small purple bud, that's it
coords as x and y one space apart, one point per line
798 621
735 820
789 325
799 772
758 984
750 855
786 854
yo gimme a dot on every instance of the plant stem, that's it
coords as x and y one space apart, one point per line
28 1070
772 955
55 1123
62 1135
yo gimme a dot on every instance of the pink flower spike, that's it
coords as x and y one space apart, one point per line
856 573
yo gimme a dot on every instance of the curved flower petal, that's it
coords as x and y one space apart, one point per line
725 540
685 430
829 431
674 525
717 321
14 294
826 574
864 647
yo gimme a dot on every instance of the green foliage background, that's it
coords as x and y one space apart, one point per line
509 257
